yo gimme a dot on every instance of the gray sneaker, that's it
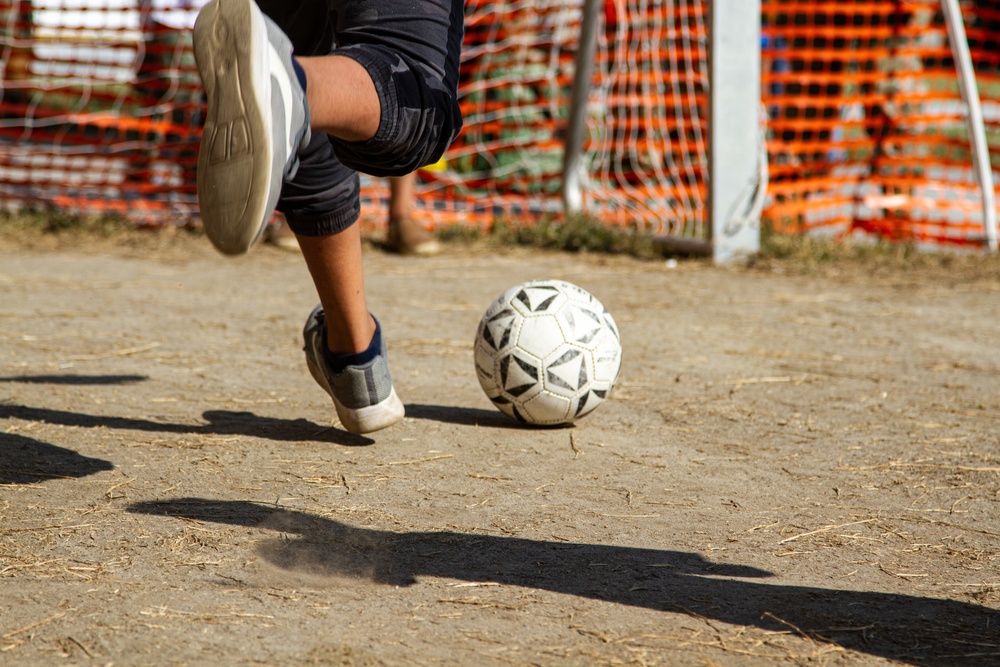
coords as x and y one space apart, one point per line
363 395
257 121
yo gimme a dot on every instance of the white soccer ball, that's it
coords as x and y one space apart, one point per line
547 352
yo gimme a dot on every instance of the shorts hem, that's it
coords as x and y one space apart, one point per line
323 225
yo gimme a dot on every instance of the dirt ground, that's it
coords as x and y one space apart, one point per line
797 467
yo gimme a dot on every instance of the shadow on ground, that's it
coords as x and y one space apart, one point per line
25 460
464 416
72 379
220 422
912 629
228 422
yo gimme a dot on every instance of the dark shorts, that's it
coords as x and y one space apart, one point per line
411 49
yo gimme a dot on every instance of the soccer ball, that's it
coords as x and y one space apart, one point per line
547 352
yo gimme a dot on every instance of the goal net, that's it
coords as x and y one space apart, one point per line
644 153
866 128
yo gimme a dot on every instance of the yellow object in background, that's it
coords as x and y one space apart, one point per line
438 167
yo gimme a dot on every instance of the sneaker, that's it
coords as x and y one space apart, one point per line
256 123
280 235
406 237
363 395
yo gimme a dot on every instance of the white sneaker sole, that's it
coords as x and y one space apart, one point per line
235 183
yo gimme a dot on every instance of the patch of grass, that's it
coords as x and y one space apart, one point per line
819 250
460 234
61 221
864 259
43 228
579 233
815 250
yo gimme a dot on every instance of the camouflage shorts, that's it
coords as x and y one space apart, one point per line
411 50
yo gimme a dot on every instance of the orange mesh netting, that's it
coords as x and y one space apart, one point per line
100 110
867 129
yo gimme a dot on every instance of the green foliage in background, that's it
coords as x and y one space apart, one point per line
579 233
52 220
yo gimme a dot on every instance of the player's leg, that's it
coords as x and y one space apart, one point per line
409 56
407 81
386 97
344 347
405 235
257 120
386 100
345 352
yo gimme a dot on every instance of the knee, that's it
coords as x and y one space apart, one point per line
424 133
412 138
420 117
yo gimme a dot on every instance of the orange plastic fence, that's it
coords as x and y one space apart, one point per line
867 130
100 110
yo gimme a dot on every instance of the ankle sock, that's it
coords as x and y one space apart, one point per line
338 362
299 73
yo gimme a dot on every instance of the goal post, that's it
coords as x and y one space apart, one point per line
576 126
959 42
736 174
737 167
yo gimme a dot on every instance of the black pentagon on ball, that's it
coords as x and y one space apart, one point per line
504 335
567 357
524 298
506 375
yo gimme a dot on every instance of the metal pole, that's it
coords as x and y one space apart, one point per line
572 190
734 138
977 130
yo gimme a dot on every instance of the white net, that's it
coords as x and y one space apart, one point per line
645 151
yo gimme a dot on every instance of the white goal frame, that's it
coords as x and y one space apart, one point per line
737 165
737 162
974 117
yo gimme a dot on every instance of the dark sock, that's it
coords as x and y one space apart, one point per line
299 72
338 362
